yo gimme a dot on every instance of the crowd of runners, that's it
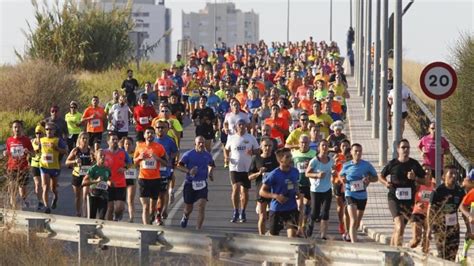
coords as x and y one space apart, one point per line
279 111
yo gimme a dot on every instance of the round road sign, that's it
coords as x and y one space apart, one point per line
438 80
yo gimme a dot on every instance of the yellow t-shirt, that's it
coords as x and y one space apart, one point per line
294 137
323 119
49 155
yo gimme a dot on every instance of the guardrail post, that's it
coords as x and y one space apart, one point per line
301 254
34 224
146 238
215 248
85 231
390 258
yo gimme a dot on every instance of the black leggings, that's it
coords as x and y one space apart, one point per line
97 204
320 205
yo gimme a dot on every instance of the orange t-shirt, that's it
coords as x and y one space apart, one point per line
422 199
307 105
96 124
336 107
242 98
149 167
469 198
276 134
285 114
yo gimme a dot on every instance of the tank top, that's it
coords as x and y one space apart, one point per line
49 156
86 162
35 160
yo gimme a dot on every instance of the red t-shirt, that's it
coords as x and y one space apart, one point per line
143 116
115 161
276 134
17 157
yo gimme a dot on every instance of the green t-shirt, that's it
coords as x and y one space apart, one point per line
320 95
301 161
221 94
73 120
94 173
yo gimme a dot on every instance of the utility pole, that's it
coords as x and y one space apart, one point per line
397 78
360 52
376 75
383 141
368 59
330 20
288 23
357 45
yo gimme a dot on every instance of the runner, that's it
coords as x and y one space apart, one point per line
95 117
261 165
116 160
356 174
59 122
108 106
118 116
230 121
205 122
404 173
198 165
143 114
443 214
98 180
281 185
404 111
18 149
35 163
467 209
319 172
51 148
149 155
340 159
427 146
129 86
280 127
238 155
166 171
301 159
336 137
73 121
163 86
80 158
294 137
131 174
324 120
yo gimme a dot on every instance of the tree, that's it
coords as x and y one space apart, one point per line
80 35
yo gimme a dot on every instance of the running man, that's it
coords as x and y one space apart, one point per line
281 185
467 209
95 118
356 174
198 165
205 121
238 155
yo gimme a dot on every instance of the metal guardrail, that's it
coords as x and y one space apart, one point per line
460 162
250 248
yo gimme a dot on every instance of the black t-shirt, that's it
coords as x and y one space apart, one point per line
130 85
176 109
335 141
258 162
205 116
445 201
398 172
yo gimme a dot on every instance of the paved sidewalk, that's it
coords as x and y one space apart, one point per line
377 221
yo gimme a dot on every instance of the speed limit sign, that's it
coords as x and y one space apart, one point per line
438 80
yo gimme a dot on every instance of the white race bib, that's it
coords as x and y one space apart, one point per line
102 185
451 219
131 174
149 164
302 167
162 88
278 140
17 151
403 193
198 185
47 158
95 123
338 98
163 168
425 196
143 120
290 186
357 185
83 169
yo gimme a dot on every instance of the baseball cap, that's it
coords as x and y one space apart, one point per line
241 121
39 128
470 176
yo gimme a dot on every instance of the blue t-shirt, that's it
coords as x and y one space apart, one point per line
223 108
253 104
213 102
202 160
324 184
170 147
354 173
285 183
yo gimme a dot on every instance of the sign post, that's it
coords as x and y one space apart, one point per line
438 81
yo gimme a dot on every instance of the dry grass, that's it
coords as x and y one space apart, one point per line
411 77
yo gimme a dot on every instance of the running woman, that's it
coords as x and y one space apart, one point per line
35 164
98 181
467 209
126 143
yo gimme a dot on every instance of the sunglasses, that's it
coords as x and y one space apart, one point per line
165 111
38 133
159 127
73 107
405 147
304 120
48 129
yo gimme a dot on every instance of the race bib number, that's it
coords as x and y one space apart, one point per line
163 168
143 120
425 196
451 219
95 123
403 193
290 186
357 185
161 88
149 164
195 92
83 169
279 142
302 167
338 98
102 185
131 174
198 185
47 158
18 151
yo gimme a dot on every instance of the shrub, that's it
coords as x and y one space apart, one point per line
36 85
30 120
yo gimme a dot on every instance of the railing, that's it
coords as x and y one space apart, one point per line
246 248
424 117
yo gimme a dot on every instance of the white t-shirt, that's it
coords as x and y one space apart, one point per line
239 146
405 96
119 116
232 119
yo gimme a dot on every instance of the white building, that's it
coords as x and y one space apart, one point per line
152 24
220 22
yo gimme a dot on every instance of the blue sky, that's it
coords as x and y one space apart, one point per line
431 27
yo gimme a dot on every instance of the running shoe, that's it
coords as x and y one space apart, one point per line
309 229
242 217
40 206
47 210
55 203
226 165
346 237
158 220
184 222
235 217
164 215
26 204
